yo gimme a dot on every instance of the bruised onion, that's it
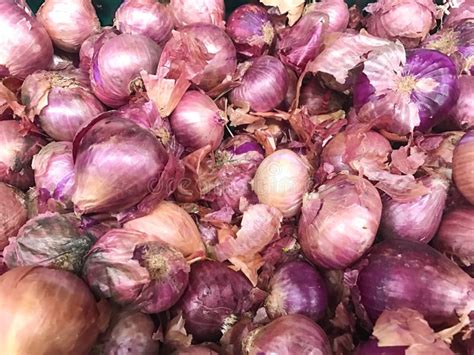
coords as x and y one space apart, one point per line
339 221
136 270
69 23
13 212
281 181
463 111
336 11
318 100
187 12
463 166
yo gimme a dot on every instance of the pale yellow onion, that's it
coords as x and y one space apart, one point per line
463 166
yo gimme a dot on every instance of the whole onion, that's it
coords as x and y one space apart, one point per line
281 181
464 11
62 100
136 270
187 12
396 272
50 240
463 111
336 11
88 47
47 311
69 23
318 100
290 334
264 85
24 43
463 166
297 288
251 29
16 154
13 212
197 121
112 80
145 17
370 347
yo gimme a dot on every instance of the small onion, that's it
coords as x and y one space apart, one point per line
62 100
197 121
281 181
370 347
463 166
69 23
339 221
187 12
264 85
13 212
464 11
251 29
336 11
291 334
88 47
463 111
319 100
297 288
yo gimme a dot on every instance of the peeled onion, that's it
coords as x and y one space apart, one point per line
13 212
463 166
187 12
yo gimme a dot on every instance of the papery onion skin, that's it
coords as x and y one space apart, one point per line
465 11
187 12
339 221
370 347
337 12
136 270
396 272
197 121
145 17
297 288
463 166
62 100
113 81
290 334
281 181
264 85
463 111
319 100
65 320
251 29
24 43
68 23
13 212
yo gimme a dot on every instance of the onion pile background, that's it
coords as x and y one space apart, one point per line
286 178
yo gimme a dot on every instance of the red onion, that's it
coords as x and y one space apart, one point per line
336 11
88 47
463 112
197 121
370 347
16 154
297 288
113 81
463 166
195 350
251 29
396 272
464 11
264 85
136 270
187 12
62 100
68 23
291 334
281 181
24 43
13 212
339 221
318 100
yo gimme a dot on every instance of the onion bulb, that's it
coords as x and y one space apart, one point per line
337 12
88 47
187 12
463 111
463 166
13 212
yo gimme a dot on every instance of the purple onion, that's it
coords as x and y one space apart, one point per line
13 212
370 347
463 166
463 112
195 350
337 12
187 12
88 47
264 85
251 29
465 11
136 270
297 288
318 100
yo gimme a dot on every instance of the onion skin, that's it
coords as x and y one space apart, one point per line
339 221
297 288
464 11
68 23
463 166
24 43
336 11
195 350
65 320
290 334
319 100
187 12
13 212
396 272
370 347
264 85
463 112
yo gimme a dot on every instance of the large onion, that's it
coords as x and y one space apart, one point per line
13 212
463 112
187 12
463 166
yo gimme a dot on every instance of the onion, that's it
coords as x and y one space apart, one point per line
16 154
24 43
281 181
88 47
464 11
197 121
113 81
68 23
339 221
291 334
195 350
463 112
336 11
370 347
145 17
396 272
251 29
62 100
187 12
463 166
297 288
136 270
47 311
264 85
318 100
13 212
